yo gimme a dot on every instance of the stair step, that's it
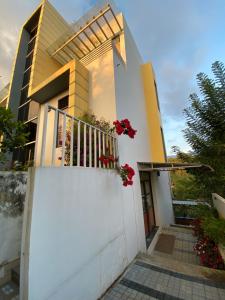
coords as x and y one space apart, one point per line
184 268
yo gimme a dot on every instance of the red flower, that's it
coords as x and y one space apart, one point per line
124 127
127 173
106 159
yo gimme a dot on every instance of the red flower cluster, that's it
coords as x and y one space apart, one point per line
127 173
106 159
209 254
124 127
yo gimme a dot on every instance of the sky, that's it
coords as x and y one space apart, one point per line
181 38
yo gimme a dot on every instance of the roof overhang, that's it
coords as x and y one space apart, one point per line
154 166
55 84
78 43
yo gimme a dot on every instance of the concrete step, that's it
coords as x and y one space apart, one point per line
184 268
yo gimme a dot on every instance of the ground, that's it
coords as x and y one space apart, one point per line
176 275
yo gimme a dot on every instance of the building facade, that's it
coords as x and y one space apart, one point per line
61 72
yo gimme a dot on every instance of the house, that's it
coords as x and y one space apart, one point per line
81 226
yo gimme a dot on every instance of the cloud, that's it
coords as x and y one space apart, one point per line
12 15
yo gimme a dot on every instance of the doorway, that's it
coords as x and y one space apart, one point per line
148 204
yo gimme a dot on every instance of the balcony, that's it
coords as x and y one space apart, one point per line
64 140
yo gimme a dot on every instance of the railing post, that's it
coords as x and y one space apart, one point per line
78 144
114 152
44 135
103 146
95 148
71 142
55 131
63 140
99 147
85 145
90 146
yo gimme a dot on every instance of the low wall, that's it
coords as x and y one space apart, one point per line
219 204
81 231
12 195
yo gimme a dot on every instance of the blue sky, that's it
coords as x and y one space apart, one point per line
180 37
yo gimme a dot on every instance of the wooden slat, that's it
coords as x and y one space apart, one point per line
79 32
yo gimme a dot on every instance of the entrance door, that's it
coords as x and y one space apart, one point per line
147 201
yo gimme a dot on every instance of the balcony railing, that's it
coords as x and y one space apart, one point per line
69 141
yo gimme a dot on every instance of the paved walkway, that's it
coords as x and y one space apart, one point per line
164 277
183 247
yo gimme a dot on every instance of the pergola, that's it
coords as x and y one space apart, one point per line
101 28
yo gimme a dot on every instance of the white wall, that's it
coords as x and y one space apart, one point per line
162 199
81 232
219 203
130 103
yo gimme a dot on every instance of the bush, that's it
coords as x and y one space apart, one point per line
215 229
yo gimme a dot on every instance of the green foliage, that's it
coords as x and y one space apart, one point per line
205 132
184 185
211 225
13 133
214 228
204 211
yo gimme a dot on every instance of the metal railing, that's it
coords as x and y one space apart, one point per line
80 144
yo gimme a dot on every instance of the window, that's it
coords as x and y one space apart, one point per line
26 77
29 60
23 96
63 103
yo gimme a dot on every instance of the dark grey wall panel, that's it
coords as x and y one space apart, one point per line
17 79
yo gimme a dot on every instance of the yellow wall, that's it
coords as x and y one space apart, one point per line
51 26
153 115
78 87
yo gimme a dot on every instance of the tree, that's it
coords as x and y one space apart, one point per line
205 132
12 133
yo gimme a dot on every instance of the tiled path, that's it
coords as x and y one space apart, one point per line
145 279
183 248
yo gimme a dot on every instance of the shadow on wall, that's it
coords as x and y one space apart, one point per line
12 193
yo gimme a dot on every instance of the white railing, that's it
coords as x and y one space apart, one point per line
69 141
